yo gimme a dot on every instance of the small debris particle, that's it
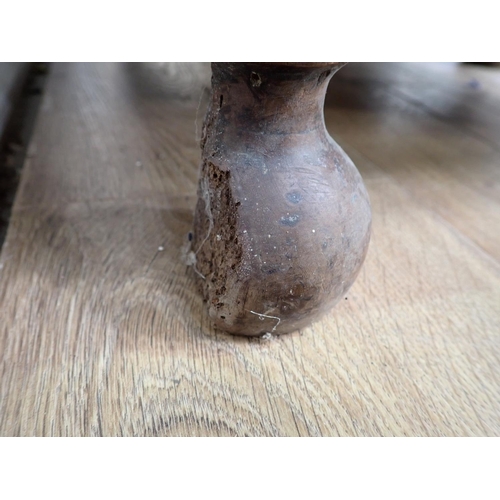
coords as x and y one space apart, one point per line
219 237
160 249
267 336
268 235
262 316
191 259
255 79
314 230
190 236
245 231
138 163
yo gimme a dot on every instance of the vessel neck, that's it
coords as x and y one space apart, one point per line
271 98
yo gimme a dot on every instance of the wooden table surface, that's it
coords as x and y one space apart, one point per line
102 331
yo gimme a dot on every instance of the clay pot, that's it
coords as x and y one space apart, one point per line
282 222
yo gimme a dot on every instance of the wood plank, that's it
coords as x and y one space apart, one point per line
465 96
449 169
102 333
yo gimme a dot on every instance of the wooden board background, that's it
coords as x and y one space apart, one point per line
102 333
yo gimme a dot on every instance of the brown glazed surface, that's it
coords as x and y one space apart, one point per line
283 219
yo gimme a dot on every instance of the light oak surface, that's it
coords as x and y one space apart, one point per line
102 331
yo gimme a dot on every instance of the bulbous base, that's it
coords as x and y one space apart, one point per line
282 223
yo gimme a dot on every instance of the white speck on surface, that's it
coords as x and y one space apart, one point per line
191 259
245 231
267 336
291 292
314 230
219 237
268 235
160 249
138 163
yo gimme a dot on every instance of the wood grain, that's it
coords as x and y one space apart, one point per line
102 330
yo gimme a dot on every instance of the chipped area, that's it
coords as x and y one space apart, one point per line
294 197
220 252
290 220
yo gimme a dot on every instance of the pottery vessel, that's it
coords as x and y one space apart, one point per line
282 223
